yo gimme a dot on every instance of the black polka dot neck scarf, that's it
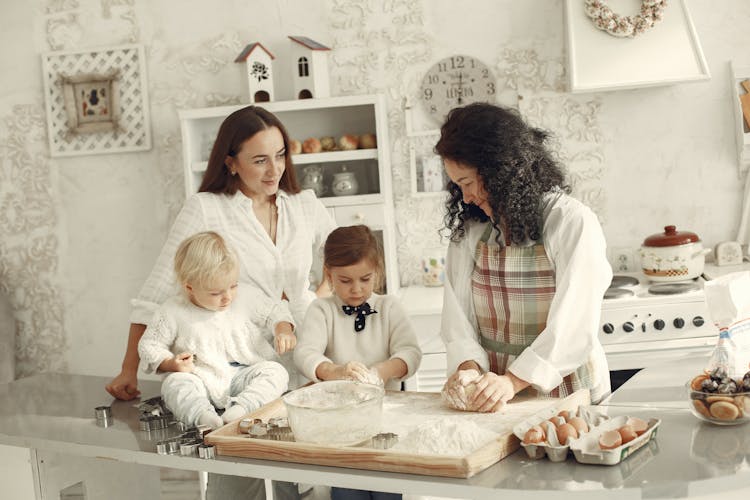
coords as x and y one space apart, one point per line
362 311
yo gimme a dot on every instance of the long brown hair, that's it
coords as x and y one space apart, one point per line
233 132
348 245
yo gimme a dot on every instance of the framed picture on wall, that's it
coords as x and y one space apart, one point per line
97 101
427 174
426 170
92 102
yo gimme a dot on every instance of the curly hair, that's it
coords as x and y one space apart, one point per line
512 161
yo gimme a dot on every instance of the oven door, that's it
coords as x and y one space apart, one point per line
637 355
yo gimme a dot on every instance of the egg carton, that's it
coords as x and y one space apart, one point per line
551 447
587 451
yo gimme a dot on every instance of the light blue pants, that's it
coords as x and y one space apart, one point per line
252 386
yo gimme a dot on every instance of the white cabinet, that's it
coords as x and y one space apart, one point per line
424 306
330 117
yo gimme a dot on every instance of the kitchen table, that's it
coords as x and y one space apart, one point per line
54 414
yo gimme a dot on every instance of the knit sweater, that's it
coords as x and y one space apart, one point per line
216 338
327 334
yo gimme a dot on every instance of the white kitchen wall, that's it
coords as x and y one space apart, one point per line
78 235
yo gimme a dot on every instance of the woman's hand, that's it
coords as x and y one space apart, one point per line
283 338
493 391
124 386
454 389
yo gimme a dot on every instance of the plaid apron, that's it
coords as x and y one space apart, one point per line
512 288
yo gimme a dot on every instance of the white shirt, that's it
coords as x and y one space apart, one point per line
216 338
576 248
327 334
303 225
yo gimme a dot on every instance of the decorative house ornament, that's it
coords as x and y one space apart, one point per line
652 11
97 101
259 71
310 68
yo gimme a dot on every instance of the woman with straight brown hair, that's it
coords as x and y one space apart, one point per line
250 196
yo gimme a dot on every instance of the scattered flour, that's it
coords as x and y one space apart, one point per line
447 436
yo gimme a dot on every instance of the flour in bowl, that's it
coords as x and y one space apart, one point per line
447 436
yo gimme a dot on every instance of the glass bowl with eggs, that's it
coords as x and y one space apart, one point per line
717 398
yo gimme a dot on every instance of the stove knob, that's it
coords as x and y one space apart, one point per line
628 326
698 321
678 322
608 328
659 324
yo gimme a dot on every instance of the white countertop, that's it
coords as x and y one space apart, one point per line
688 459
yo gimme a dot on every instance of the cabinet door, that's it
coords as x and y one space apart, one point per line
431 374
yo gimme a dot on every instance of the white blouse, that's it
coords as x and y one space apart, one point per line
576 247
275 269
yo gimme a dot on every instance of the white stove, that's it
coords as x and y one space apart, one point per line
643 326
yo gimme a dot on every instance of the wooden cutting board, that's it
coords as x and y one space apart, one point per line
745 101
402 412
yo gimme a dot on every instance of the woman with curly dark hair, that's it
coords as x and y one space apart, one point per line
526 267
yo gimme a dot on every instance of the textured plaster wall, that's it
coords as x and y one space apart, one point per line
78 235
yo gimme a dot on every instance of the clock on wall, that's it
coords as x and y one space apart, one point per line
453 82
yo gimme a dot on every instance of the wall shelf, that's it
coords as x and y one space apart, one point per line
668 53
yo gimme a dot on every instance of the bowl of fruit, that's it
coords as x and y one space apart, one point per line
720 399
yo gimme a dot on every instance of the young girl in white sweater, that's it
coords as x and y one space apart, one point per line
355 333
218 355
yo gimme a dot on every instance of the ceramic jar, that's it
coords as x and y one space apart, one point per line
673 255
433 267
344 183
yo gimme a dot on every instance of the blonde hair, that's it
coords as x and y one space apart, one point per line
202 258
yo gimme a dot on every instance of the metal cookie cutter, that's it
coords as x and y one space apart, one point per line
278 422
168 447
103 416
206 451
384 440
189 446
247 423
281 434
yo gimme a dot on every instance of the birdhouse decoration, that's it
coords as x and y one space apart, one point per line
310 68
259 72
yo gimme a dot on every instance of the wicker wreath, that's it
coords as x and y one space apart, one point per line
652 11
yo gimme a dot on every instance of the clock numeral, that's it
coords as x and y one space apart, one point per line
485 73
427 94
456 62
432 79
490 88
433 108
458 93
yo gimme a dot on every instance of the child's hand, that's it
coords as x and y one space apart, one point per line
356 371
375 376
353 370
183 362
284 339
